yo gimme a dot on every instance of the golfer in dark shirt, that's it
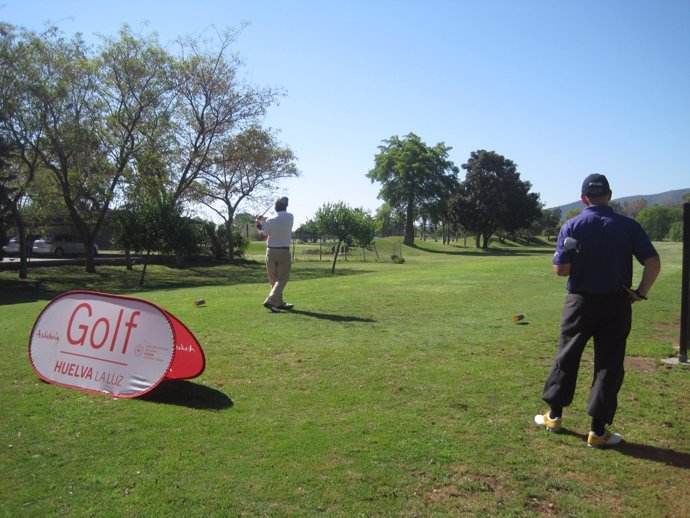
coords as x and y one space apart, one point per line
595 250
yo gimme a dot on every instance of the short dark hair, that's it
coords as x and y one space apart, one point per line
281 204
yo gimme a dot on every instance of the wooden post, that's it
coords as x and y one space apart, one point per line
685 288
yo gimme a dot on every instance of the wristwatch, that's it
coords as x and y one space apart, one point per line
637 292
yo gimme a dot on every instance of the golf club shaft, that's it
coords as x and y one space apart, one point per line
259 218
267 209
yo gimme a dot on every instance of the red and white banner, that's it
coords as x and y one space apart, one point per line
121 346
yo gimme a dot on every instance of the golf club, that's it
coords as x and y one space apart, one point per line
267 209
258 218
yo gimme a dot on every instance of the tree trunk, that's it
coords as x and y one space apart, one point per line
143 270
409 224
21 228
335 256
485 244
90 263
229 236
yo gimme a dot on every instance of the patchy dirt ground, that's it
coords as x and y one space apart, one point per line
640 364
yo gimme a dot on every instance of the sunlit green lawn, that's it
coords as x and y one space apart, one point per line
390 390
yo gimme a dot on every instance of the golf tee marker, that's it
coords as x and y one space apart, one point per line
111 344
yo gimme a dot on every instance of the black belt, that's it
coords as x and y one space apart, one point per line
279 247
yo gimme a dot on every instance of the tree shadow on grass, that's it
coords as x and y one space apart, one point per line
331 317
19 292
48 282
485 252
186 393
666 456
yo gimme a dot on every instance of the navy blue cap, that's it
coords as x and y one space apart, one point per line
595 185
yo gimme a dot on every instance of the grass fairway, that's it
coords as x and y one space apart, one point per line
390 390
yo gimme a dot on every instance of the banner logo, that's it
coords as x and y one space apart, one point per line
121 346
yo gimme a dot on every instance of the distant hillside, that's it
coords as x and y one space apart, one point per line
664 198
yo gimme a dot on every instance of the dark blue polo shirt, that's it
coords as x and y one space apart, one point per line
607 243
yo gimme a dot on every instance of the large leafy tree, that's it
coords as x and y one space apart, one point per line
212 106
19 160
250 167
14 184
211 126
129 122
82 116
413 176
493 197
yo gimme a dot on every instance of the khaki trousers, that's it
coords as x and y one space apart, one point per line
278 266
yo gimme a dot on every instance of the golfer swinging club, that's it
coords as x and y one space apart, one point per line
595 250
278 232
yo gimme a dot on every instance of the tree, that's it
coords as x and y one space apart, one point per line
137 229
18 161
158 226
436 214
307 232
618 208
364 230
14 183
182 236
413 176
633 207
550 222
675 231
129 232
217 239
572 213
80 115
346 225
493 197
250 166
389 221
547 224
6 201
130 123
657 220
244 224
212 106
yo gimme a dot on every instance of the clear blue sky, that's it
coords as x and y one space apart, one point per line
562 88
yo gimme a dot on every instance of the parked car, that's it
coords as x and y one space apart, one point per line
12 246
60 245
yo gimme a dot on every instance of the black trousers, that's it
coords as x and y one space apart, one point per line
607 319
